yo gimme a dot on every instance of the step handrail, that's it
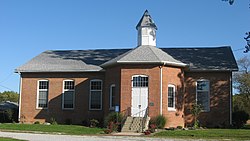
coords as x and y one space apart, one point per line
141 111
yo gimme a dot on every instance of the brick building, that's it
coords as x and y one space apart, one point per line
144 81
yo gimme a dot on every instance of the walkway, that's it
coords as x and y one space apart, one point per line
50 137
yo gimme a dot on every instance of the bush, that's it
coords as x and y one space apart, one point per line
152 127
94 123
107 131
53 121
113 121
8 116
179 127
239 118
112 117
158 121
196 110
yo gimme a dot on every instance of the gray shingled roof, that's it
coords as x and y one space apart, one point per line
59 61
146 21
144 54
211 58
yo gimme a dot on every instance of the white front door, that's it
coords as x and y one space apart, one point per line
139 95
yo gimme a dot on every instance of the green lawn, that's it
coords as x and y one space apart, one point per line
9 139
63 129
235 134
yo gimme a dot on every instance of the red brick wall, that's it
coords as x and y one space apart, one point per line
112 76
30 114
219 114
121 76
175 77
170 75
153 73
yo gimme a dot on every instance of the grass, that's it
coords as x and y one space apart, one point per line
235 134
9 139
63 129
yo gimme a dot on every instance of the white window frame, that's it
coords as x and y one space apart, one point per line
37 96
91 93
145 76
64 90
174 95
111 97
208 92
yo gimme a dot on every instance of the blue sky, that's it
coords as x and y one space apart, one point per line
29 27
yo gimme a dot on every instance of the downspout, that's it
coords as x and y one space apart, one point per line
160 90
230 101
20 97
164 63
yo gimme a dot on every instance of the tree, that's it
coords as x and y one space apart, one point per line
247 38
9 96
229 1
196 110
241 104
242 78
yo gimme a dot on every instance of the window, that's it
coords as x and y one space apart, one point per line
140 81
112 97
42 97
202 94
171 97
68 94
95 95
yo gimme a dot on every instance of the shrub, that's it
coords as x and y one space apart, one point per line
94 123
152 127
53 121
196 110
147 132
239 118
179 127
112 117
113 121
107 131
159 121
9 114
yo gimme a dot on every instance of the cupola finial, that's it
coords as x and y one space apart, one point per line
146 30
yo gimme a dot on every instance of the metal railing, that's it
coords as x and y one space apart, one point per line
143 114
125 113
144 119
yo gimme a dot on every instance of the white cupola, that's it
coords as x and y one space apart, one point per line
146 30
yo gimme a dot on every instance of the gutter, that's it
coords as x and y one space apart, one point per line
59 71
145 62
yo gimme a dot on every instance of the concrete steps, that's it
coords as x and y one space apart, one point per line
134 124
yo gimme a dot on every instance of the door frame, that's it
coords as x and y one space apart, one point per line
132 86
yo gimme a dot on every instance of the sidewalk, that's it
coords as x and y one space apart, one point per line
51 137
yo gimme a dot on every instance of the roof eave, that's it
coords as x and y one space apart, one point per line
39 71
147 62
212 70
